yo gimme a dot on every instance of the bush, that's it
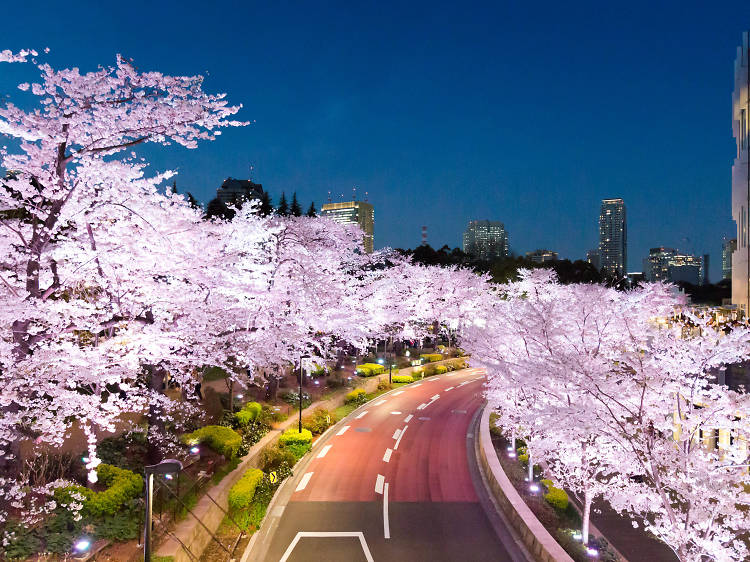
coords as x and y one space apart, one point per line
251 434
431 357
249 413
318 421
370 369
356 396
402 378
440 369
270 415
556 497
122 486
275 457
291 397
242 493
126 451
223 440
298 449
292 437
384 385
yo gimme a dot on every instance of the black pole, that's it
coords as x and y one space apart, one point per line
149 505
300 395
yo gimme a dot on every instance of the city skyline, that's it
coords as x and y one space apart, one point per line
451 126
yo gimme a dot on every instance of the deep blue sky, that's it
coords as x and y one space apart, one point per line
525 112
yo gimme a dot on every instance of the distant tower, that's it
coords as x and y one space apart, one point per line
741 176
424 236
613 237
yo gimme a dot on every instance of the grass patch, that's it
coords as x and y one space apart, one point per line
342 411
224 470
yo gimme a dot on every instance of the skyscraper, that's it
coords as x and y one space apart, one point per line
613 237
592 256
741 176
727 249
670 265
354 212
486 240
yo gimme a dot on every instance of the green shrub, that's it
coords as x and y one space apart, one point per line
223 440
271 415
249 413
317 371
318 421
370 369
19 542
440 369
298 449
431 357
291 397
122 486
384 385
242 493
402 378
556 497
292 437
356 396
276 458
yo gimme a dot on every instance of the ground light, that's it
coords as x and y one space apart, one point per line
195 450
82 545
534 487
577 536
592 552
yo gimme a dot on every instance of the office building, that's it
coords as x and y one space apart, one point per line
741 176
354 212
541 256
613 237
672 266
592 256
727 249
486 240
235 192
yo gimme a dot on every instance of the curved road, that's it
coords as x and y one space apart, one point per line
391 482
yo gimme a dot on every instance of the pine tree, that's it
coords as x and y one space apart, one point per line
312 212
173 189
295 210
193 201
283 208
266 208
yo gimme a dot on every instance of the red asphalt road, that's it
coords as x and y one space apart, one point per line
430 464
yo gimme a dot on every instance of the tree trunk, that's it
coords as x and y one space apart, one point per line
156 376
531 465
587 499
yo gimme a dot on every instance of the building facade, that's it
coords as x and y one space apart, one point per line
354 212
235 192
613 237
671 266
727 249
541 256
592 256
486 240
741 176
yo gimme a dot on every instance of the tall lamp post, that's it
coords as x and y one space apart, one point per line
301 362
168 466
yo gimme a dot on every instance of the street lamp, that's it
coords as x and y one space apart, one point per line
301 361
165 467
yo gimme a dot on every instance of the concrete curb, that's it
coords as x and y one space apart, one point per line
535 536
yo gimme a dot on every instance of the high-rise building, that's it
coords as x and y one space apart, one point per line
613 237
486 240
727 249
592 256
354 212
235 192
741 176
541 256
670 265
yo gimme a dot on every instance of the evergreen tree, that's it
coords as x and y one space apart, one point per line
216 208
266 208
174 186
312 212
283 208
295 210
193 201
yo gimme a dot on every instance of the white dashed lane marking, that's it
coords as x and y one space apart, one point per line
387 455
379 482
362 415
324 451
303 483
407 418
343 430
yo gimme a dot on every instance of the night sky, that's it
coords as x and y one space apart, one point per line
525 112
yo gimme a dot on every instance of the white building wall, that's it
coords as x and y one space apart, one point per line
741 177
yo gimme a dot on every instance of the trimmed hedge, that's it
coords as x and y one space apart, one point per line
293 437
223 440
122 486
249 413
356 396
242 493
370 369
431 357
440 369
402 378
556 497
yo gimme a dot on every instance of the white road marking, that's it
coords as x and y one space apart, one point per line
449 388
396 433
416 385
399 392
318 534
435 397
422 406
400 437
379 484
386 524
324 451
395 413
303 483
343 430
362 415
407 418
387 455
379 402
